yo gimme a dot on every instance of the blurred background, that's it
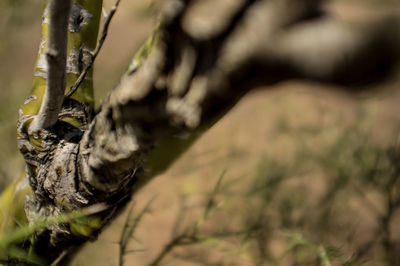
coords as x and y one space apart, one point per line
301 173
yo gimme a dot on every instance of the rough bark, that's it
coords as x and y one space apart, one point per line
205 56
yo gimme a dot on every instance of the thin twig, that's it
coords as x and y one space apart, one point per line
96 51
211 201
181 215
177 241
56 56
129 229
60 258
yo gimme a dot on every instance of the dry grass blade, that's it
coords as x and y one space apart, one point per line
25 231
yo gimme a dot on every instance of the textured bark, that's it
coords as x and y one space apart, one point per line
57 145
205 56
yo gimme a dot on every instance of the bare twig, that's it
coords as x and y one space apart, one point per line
96 51
60 257
56 56
210 205
129 229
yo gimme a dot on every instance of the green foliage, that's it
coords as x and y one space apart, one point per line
10 242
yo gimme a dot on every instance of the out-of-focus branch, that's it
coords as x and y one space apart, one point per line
56 56
332 50
194 74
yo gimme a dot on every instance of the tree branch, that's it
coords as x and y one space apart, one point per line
268 41
56 56
94 54
192 76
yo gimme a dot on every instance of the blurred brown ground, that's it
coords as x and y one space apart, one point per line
237 144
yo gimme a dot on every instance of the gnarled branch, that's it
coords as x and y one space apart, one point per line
267 41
